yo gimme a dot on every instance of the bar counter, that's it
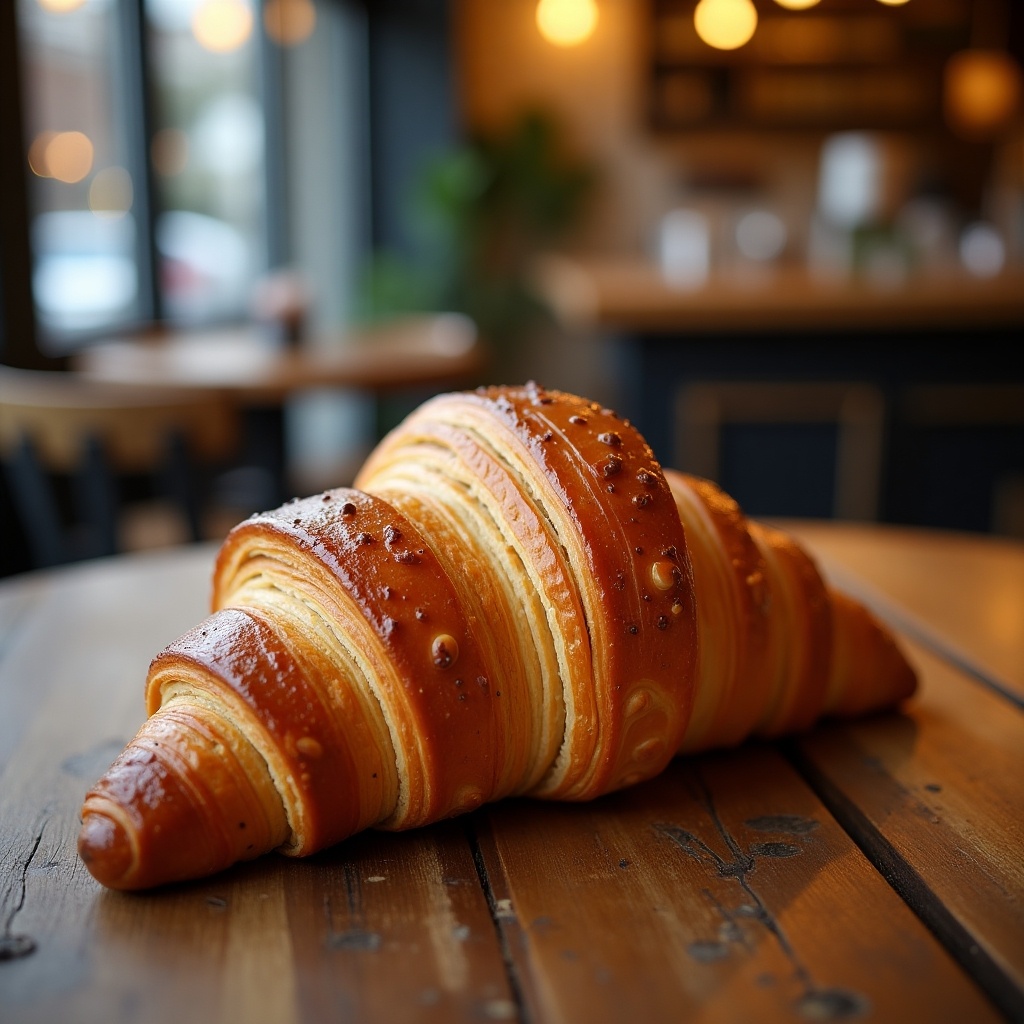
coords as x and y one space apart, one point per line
934 363
631 294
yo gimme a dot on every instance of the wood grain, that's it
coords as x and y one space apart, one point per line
722 890
725 890
88 632
936 795
396 927
385 927
70 696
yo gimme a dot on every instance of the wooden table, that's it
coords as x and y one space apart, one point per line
245 366
248 365
868 871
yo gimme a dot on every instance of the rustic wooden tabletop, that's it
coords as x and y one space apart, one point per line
867 871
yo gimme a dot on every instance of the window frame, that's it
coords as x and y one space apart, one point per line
23 341
376 141
18 344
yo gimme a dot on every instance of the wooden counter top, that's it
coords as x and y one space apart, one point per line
631 294
869 871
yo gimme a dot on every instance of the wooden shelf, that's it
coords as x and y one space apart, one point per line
845 64
630 293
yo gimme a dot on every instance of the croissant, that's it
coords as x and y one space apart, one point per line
514 598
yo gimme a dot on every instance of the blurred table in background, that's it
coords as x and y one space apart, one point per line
247 364
937 358
258 373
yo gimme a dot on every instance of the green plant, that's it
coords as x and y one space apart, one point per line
479 213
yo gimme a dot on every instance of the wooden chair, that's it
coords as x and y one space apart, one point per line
69 447
855 410
962 446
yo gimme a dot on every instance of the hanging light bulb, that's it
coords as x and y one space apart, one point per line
566 22
222 25
725 24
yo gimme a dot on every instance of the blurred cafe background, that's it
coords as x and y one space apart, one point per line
240 238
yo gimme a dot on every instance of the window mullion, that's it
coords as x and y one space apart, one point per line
273 85
18 335
137 97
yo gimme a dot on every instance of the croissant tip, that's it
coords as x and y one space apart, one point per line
105 849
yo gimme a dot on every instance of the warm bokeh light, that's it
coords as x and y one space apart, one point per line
37 154
222 25
893 3
982 89
60 6
797 5
725 24
566 22
111 192
169 152
289 22
67 157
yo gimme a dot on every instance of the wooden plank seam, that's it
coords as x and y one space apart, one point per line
499 918
911 888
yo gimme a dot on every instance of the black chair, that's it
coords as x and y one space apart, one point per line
78 458
851 413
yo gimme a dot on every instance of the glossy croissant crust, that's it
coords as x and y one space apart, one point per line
515 598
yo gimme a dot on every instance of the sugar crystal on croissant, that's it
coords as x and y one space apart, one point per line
514 598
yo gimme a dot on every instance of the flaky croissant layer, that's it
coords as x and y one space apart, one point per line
515 598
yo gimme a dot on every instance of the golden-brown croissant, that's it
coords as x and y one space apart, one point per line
515 598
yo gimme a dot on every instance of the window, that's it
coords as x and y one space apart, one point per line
159 184
83 230
207 155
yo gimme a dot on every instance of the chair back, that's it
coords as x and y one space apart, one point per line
59 411
854 410
57 425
